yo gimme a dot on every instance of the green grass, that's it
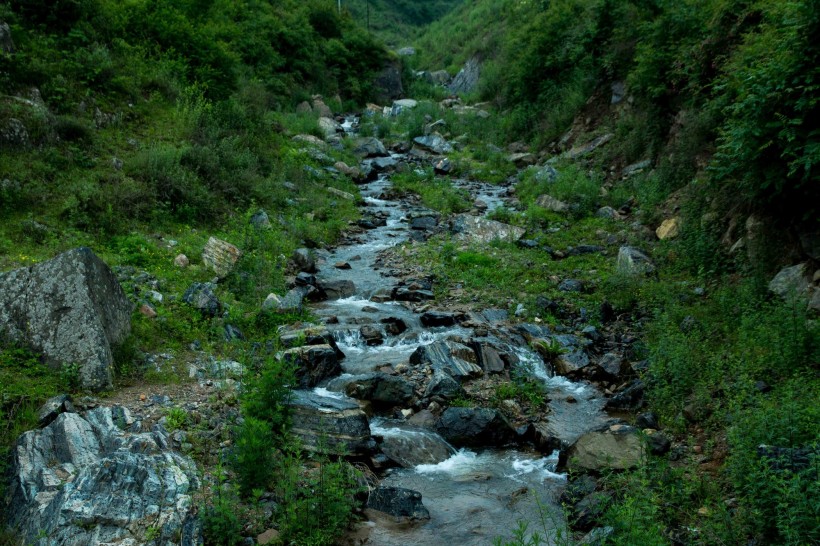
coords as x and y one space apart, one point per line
435 193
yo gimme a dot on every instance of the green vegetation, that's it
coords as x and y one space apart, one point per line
397 21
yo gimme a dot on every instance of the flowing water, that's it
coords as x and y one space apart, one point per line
473 496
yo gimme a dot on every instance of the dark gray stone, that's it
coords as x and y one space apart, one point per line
201 296
411 446
443 386
370 147
69 309
304 260
52 408
398 502
424 223
393 325
336 290
387 83
381 388
314 364
371 335
571 285
445 356
466 81
488 358
434 143
475 427
437 318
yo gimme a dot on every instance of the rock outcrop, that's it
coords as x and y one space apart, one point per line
70 309
332 425
85 479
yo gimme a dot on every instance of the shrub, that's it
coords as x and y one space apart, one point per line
268 393
253 453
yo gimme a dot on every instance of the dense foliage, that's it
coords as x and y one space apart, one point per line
396 21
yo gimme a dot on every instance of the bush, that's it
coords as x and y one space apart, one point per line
253 453
267 395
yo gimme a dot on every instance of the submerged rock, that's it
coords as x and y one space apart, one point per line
85 480
411 446
69 309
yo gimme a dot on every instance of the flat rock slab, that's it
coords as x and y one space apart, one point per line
71 310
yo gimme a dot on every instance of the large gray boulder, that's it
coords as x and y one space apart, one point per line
617 447
475 427
86 480
633 262
434 143
401 503
70 309
411 446
314 364
477 229
387 84
448 357
333 425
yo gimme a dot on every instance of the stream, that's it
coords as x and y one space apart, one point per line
473 495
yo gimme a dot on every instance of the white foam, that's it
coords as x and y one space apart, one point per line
323 392
463 462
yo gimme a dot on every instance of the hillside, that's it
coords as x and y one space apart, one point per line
253 293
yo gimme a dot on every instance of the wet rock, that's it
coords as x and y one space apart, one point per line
52 408
201 296
304 260
437 318
630 398
443 386
571 363
372 336
393 325
413 446
633 262
549 202
220 256
314 364
69 309
381 389
370 147
618 447
475 427
384 164
477 229
406 293
442 356
305 279
434 143
542 438
338 426
337 289
84 480
488 358
403 504
299 336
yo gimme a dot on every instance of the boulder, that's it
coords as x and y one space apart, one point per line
320 108
381 389
314 364
411 446
617 447
434 143
791 281
466 81
549 202
437 318
669 229
304 260
477 229
370 147
220 256
633 262
475 427
52 408
424 223
407 293
442 385
401 503
629 398
86 480
488 357
299 336
387 84
440 77
6 43
336 426
522 159
339 289
69 309
571 363
372 336
260 220
201 296
393 325
289 303
329 126
442 356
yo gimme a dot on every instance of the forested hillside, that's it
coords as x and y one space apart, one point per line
551 278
